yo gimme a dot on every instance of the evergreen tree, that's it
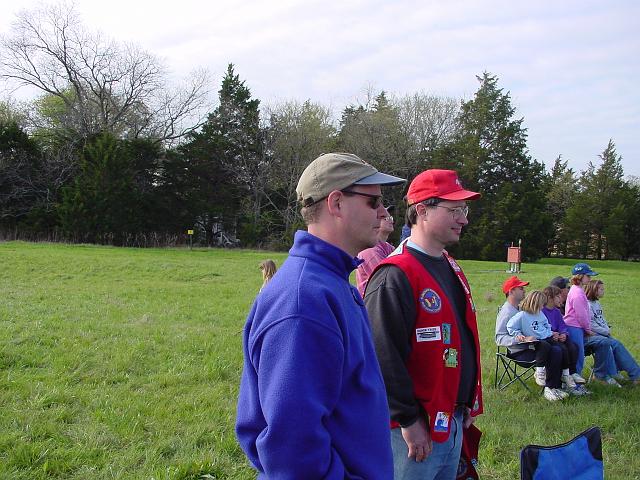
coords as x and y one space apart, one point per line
104 203
601 194
20 165
494 160
225 162
563 189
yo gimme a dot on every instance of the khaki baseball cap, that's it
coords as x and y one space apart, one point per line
336 171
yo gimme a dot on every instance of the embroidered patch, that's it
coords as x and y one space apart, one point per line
442 422
430 301
446 333
450 357
428 334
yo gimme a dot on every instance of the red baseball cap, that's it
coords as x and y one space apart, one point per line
511 283
434 183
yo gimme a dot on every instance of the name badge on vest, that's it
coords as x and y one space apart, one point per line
442 422
430 301
450 357
428 334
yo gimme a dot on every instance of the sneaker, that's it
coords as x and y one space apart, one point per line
578 379
541 378
578 391
607 381
561 393
551 394
582 390
612 381
568 381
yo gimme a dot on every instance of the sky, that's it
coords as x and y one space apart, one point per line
571 67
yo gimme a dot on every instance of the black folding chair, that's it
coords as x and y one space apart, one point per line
509 371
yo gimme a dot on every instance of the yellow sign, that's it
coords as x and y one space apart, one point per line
189 232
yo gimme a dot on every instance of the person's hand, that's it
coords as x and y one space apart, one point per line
418 439
562 337
588 333
468 420
555 336
522 338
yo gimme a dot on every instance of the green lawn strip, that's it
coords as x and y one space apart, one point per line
125 363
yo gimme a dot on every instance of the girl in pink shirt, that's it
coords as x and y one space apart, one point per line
577 317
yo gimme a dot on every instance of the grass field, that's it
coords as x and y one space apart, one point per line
125 363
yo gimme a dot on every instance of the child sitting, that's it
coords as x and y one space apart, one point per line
530 321
560 334
600 329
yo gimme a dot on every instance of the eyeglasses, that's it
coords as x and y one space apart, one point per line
374 200
457 212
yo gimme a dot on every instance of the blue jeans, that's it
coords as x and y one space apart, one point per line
441 464
623 359
604 363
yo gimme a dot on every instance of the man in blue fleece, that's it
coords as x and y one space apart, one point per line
312 402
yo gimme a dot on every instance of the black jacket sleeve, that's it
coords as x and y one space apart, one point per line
392 311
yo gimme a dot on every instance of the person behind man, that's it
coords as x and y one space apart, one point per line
312 401
425 332
371 257
563 284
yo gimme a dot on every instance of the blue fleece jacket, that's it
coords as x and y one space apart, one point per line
312 401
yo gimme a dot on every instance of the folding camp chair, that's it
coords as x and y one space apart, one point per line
509 371
578 459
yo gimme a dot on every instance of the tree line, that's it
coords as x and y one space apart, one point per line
109 153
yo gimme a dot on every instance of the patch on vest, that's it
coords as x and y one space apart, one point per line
442 422
446 333
450 357
430 301
428 334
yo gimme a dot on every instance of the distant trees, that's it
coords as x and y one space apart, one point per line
109 152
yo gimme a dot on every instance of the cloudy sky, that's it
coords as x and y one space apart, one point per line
572 67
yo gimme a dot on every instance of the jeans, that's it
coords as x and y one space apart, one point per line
441 464
604 362
623 360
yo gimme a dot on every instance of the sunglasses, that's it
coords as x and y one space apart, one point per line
374 200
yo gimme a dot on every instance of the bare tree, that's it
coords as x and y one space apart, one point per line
104 85
426 122
297 133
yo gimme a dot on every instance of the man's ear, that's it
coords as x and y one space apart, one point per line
424 211
333 203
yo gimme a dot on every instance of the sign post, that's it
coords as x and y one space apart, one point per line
190 233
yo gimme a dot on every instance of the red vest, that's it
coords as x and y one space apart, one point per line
434 361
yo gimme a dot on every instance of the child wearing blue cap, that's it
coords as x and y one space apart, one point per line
577 317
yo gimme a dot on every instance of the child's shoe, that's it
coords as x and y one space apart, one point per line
568 381
578 378
551 394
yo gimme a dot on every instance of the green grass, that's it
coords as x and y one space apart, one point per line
125 363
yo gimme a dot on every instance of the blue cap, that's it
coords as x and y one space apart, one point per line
583 269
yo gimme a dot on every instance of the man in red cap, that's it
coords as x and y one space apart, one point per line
548 370
425 332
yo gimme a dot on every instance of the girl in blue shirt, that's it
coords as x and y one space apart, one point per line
530 321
